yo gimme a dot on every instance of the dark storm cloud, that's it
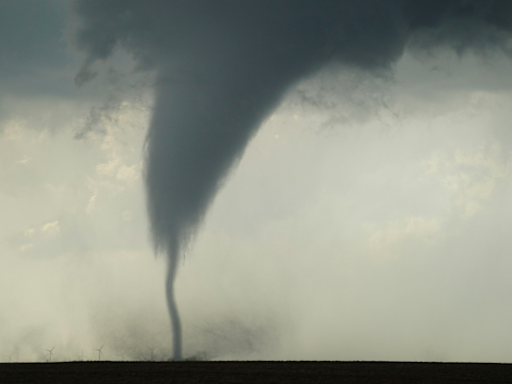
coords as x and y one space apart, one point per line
33 50
38 63
223 66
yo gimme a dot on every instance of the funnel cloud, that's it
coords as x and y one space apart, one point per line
221 67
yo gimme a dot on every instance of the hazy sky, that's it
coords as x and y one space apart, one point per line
368 219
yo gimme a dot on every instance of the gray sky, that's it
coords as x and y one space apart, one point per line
366 220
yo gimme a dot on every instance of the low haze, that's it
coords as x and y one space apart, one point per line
367 219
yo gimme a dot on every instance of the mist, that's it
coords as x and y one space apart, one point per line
353 159
223 67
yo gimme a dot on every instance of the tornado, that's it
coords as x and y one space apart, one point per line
222 66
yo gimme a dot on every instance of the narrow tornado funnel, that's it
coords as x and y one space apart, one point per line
172 268
194 138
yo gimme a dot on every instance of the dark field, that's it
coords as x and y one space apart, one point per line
254 372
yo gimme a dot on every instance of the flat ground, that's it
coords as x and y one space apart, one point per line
254 372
